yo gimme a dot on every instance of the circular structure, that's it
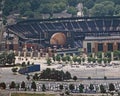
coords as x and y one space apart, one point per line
58 39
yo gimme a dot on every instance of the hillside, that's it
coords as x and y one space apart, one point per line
47 8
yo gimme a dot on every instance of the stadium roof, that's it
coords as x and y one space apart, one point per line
68 19
36 29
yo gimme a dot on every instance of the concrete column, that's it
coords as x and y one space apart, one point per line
105 47
55 50
96 59
96 47
112 57
25 54
19 54
93 49
65 54
93 55
41 52
31 54
55 54
47 55
74 54
25 51
102 57
49 52
86 59
38 55
114 46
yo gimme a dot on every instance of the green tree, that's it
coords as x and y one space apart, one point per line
98 10
108 54
105 60
54 58
3 58
93 60
99 54
23 64
71 87
102 89
58 58
117 9
105 8
67 76
33 86
64 59
105 78
72 10
10 58
61 87
79 60
28 63
86 11
47 8
35 77
59 7
67 92
81 87
14 70
89 3
73 2
49 61
91 87
24 6
83 59
109 60
43 87
7 9
75 78
74 59
99 60
111 87
46 74
23 85
116 54
12 85
109 6
89 78
3 85
68 58
35 4
28 77
28 14
89 59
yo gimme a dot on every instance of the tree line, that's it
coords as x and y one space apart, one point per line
7 58
110 88
67 59
34 8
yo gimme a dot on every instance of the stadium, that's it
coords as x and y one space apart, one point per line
93 34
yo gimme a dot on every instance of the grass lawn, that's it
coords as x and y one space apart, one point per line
27 94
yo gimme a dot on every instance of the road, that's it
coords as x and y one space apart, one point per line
96 73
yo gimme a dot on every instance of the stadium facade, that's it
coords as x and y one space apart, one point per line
93 34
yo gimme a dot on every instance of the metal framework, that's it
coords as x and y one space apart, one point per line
79 27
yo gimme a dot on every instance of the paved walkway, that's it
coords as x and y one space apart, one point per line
58 93
4 93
